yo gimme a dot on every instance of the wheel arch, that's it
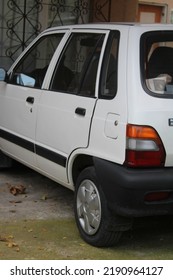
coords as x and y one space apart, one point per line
81 162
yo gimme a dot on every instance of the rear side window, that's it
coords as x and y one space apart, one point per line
76 70
157 63
108 82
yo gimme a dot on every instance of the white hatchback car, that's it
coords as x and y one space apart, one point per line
91 107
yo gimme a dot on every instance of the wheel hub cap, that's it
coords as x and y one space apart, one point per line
88 207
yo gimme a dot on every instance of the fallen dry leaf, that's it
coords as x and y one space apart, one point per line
12 244
11 236
17 189
15 201
4 239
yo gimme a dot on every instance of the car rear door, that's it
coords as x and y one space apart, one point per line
65 111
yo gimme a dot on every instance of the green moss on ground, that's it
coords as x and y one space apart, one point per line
59 240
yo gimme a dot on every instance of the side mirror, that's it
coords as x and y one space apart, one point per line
3 74
25 80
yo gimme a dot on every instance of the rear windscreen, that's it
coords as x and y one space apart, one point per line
157 63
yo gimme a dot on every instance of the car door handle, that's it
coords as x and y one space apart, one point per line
30 99
80 111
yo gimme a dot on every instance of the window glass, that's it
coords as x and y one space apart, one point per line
156 63
108 83
31 70
77 69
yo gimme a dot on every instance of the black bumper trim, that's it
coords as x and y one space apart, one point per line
125 188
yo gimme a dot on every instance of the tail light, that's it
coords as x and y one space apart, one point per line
144 147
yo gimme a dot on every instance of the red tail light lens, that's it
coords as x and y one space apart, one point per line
144 147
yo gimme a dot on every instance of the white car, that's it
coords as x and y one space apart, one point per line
91 107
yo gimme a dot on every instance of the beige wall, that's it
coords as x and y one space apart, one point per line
127 10
167 8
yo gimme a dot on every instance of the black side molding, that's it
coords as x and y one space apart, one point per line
30 146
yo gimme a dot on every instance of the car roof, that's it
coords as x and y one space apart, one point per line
111 25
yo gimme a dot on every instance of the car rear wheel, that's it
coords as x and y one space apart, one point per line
93 218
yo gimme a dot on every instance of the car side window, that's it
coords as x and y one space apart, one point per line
108 84
77 68
31 69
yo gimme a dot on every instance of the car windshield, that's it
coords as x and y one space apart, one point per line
157 63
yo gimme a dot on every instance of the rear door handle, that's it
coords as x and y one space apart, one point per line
30 99
80 111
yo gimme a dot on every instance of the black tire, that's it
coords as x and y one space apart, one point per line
93 219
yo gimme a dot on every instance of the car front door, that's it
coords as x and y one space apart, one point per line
19 98
65 111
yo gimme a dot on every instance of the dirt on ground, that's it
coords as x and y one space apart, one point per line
25 194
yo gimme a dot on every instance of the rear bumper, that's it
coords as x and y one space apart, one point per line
125 189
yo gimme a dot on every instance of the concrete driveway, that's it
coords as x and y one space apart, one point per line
25 194
39 222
